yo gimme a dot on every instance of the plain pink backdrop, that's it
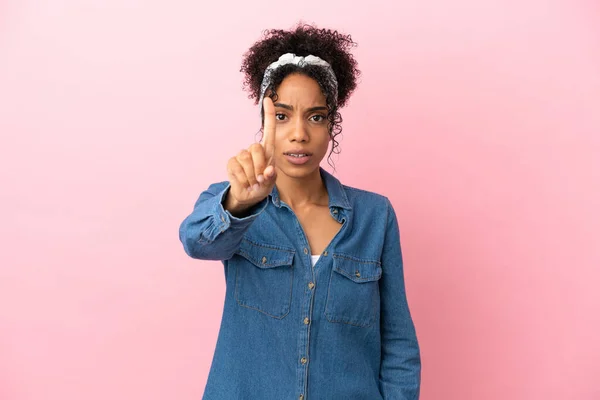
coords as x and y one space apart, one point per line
479 119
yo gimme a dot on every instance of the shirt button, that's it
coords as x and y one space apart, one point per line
303 360
311 285
305 250
335 211
357 274
264 260
301 397
306 320
325 253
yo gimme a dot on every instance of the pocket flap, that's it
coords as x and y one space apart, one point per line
265 256
357 269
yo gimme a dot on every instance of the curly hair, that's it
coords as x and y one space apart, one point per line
304 40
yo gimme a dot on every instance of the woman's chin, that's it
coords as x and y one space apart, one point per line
298 171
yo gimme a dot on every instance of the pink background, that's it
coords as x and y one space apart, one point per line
479 119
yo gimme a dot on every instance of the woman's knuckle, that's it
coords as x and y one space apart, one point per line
255 148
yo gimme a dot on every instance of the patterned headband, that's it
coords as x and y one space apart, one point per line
291 58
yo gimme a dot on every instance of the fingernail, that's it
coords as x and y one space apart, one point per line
260 178
256 186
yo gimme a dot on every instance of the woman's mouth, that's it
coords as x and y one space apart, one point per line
297 158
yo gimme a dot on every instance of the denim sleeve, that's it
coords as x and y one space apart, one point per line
400 371
210 232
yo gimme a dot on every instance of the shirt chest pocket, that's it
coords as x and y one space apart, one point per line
353 292
263 278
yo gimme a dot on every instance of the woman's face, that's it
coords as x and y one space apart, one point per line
302 135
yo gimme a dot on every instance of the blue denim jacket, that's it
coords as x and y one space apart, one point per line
339 330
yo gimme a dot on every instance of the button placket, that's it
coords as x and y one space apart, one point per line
307 321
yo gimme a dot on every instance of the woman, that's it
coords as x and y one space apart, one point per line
315 305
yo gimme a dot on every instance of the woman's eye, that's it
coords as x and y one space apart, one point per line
318 118
280 117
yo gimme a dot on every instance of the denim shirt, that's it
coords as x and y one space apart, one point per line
340 329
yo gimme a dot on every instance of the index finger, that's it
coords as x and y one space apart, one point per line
269 127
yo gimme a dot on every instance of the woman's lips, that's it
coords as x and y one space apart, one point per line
298 160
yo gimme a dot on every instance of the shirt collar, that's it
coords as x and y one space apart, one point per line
335 190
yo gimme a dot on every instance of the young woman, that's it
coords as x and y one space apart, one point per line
315 305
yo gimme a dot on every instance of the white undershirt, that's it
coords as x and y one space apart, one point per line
314 259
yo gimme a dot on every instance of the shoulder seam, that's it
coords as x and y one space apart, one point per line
362 190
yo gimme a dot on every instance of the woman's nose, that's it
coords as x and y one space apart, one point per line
299 131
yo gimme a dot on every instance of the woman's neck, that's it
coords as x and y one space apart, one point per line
301 192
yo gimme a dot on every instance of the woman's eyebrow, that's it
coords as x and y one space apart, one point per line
286 106
291 108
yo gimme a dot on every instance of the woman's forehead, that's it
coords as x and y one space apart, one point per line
300 89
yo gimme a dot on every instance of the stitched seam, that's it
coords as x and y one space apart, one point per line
363 191
352 322
356 279
250 258
355 259
286 249
264 312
